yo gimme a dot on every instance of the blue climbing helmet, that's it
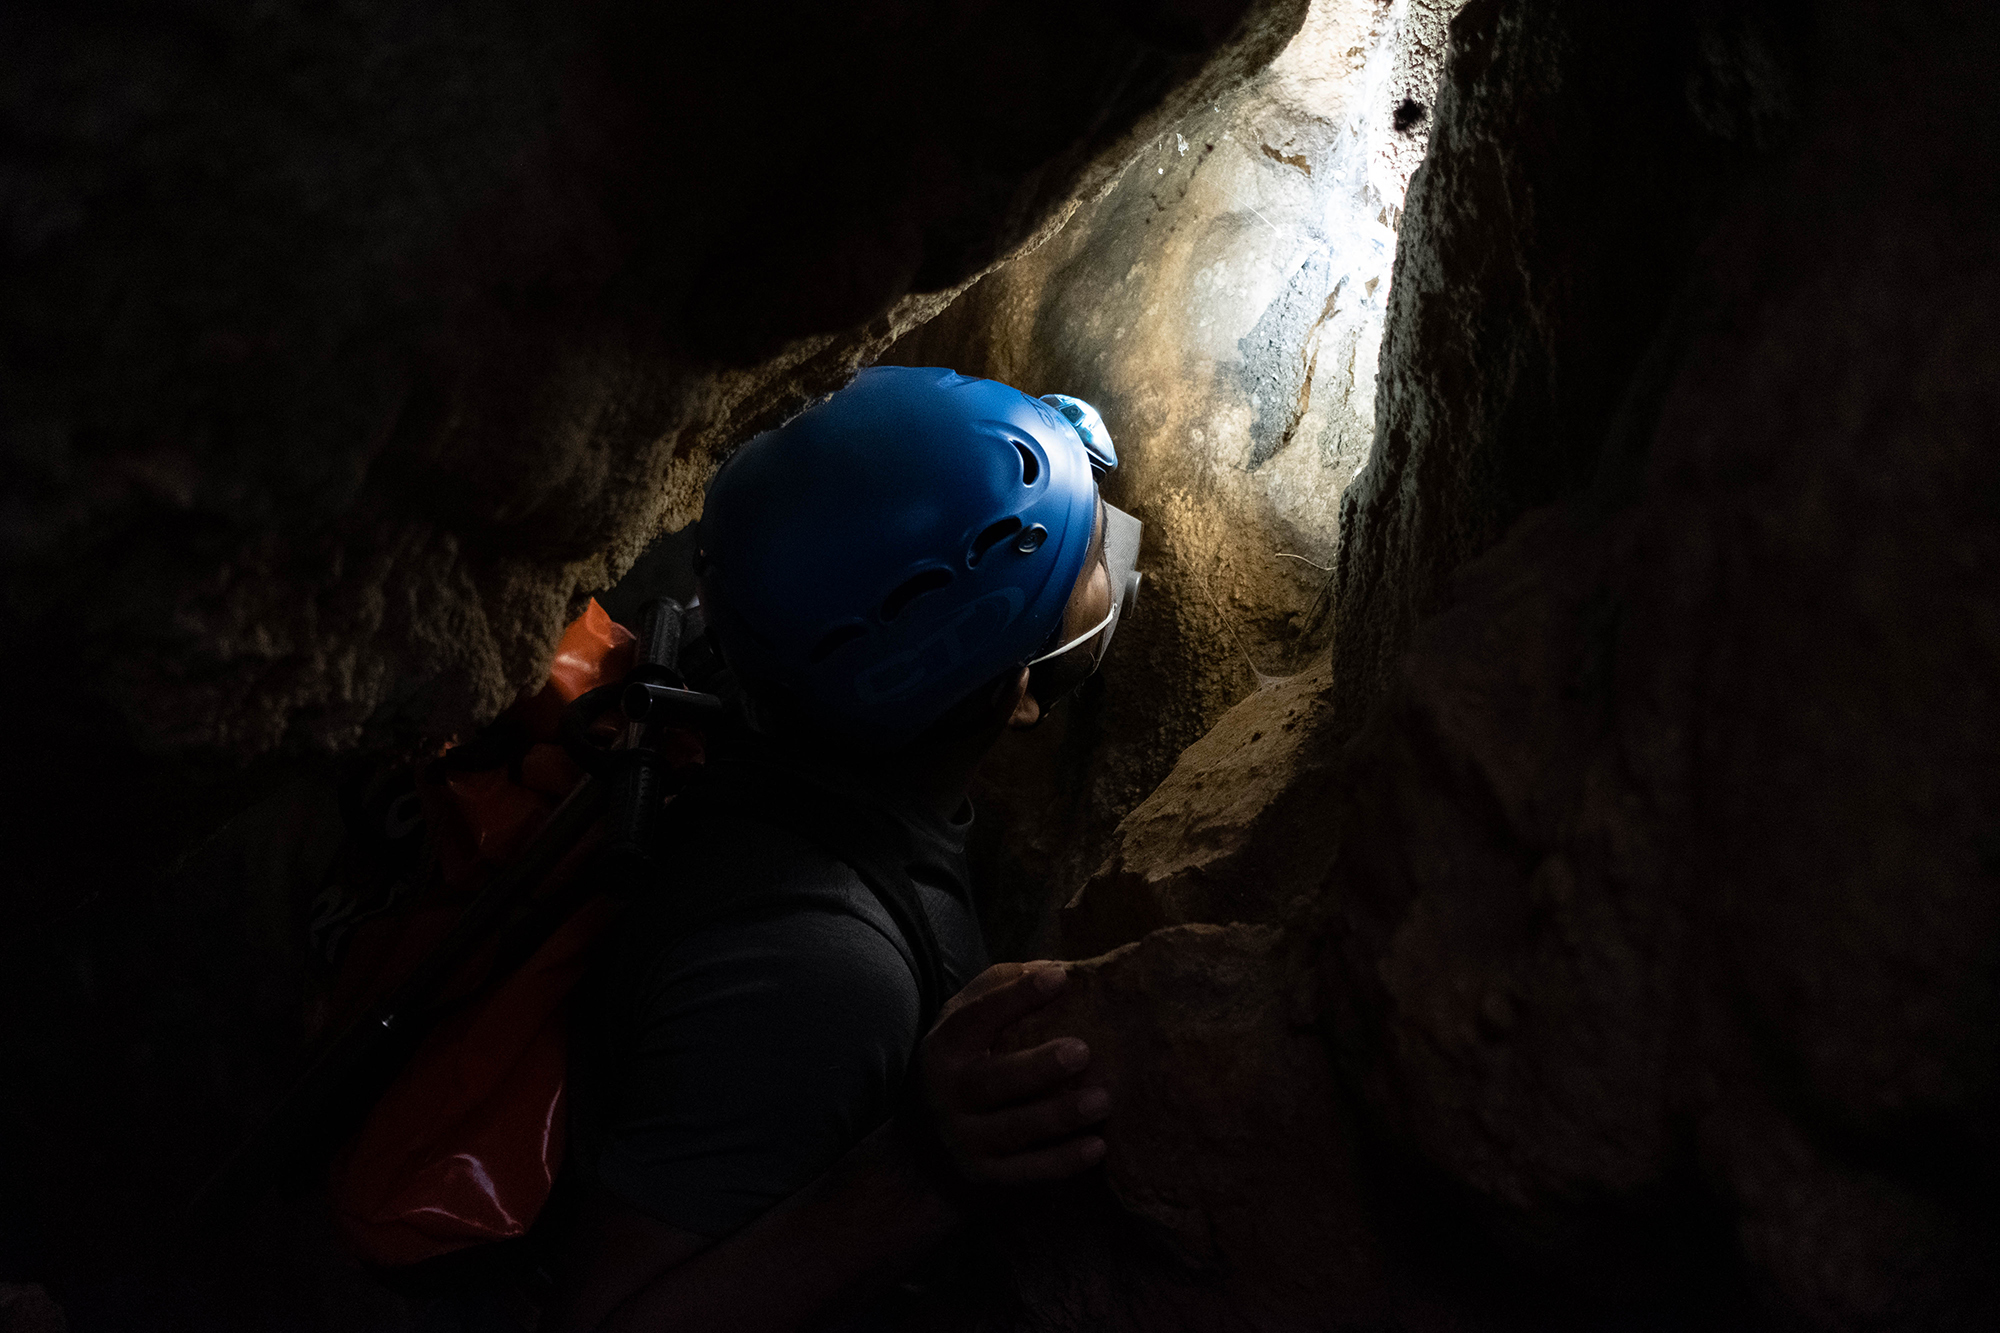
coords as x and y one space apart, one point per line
897 546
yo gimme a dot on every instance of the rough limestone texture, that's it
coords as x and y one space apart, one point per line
1221 303
1545 233
1657 959
1671 871
347 349
1218 840
1257 1201
1543 242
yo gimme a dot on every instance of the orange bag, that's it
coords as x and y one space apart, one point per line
464 1146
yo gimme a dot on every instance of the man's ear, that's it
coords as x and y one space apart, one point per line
1012 701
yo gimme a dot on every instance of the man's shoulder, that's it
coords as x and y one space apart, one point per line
749 880
779 947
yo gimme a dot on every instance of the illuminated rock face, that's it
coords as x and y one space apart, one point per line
1222 305
1652 901
1221 838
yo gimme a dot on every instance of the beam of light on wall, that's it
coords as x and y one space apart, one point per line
1222 304
1303 190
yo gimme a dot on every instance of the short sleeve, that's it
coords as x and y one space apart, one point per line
762 1050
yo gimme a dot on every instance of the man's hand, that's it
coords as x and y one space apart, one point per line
1004 1118
1016 1117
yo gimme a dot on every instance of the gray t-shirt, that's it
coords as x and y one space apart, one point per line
754 1014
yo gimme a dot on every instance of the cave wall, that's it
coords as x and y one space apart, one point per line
1557 217
1570 182
345 351
1602 933
1631 863
1700 763
1221 303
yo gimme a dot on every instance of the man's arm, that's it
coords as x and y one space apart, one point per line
1000 1119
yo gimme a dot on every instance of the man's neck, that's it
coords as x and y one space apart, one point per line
942 781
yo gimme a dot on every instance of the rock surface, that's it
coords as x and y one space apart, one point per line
1256 1197
1701 768
1613 940
1658 959
349 349
346 349
1221 303
1577 160
1221 839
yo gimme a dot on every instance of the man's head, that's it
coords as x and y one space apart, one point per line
901 549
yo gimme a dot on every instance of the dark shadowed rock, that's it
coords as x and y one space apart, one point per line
1659 957
1664 871
1569 180
26 1308
1228 1142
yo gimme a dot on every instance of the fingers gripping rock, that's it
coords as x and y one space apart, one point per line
1225 1131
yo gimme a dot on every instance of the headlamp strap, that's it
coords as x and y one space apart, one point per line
1088 634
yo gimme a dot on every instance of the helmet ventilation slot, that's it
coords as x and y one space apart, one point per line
994 534
1031 466
912 588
